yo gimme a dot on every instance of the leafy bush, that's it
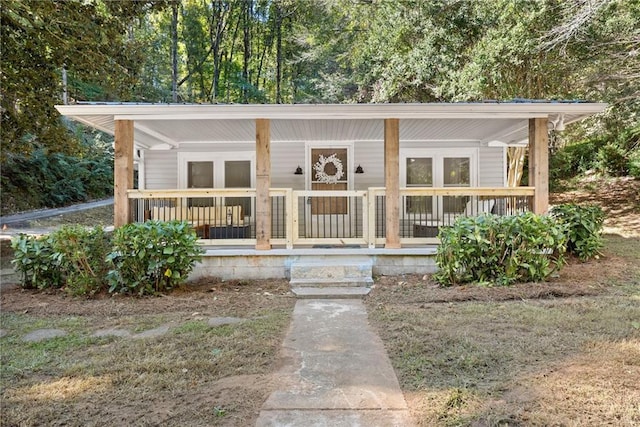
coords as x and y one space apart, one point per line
634 164
152 257
612 160
583 227
499 249
81 253
33 259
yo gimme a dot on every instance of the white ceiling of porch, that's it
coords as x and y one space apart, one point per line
166 126
195 131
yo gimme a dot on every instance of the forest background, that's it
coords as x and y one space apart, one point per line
304 51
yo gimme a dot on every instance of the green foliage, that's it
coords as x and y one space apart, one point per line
34 260
71 257
152 257
612 160
41 179
499 250
80 253
634 164
583 227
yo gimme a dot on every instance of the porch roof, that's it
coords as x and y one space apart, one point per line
167 126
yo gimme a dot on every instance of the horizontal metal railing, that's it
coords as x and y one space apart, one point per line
316 218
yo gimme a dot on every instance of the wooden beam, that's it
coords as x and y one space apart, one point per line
392 182
122 171
263 182
539 163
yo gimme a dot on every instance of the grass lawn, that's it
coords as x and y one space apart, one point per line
564 353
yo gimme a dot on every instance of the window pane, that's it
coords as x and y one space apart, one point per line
457 171
237 174
200 175
419 172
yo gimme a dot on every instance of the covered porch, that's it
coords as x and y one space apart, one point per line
310 177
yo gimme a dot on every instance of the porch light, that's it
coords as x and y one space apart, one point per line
558 123
298 171
359 169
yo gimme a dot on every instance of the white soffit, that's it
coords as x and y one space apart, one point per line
168 125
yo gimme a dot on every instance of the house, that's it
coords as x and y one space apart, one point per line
266 185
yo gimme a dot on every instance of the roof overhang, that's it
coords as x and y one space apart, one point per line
169 125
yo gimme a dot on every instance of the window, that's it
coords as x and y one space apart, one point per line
437 168
218 170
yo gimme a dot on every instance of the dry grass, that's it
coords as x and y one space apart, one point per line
193 375
560 353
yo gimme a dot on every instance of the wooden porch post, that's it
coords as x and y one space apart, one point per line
539 163
122 171
263 182
392 182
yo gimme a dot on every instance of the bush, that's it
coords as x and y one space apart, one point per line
81 253
33 259
634 164
583 228
612 160
152 257
499 250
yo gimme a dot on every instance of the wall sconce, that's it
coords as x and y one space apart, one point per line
359 169
298 171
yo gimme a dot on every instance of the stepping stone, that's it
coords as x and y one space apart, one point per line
3 332
221 321
152 333
112 332
43 334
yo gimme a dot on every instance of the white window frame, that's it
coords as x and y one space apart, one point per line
218 159
438 154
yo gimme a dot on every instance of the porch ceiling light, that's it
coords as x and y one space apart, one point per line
298 171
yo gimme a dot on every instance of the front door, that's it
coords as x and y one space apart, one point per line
328 216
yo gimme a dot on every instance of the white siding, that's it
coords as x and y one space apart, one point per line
492 167
161 166
285 158
161 169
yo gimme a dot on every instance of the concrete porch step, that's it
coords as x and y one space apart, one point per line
330 292
337 270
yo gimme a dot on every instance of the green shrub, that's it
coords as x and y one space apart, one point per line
583 227
634 164
80 252
152 257
33 259
612 160
499 250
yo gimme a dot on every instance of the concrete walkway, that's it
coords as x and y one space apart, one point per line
336 372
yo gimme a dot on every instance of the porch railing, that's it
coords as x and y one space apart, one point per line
227 217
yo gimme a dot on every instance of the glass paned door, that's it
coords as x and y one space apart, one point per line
237 174
456 173
419 174
200 175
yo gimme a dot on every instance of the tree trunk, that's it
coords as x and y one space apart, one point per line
246 28
174 51
515 158
278 54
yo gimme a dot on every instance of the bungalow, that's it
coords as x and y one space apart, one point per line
267 185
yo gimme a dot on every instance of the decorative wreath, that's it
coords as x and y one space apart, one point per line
322 176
